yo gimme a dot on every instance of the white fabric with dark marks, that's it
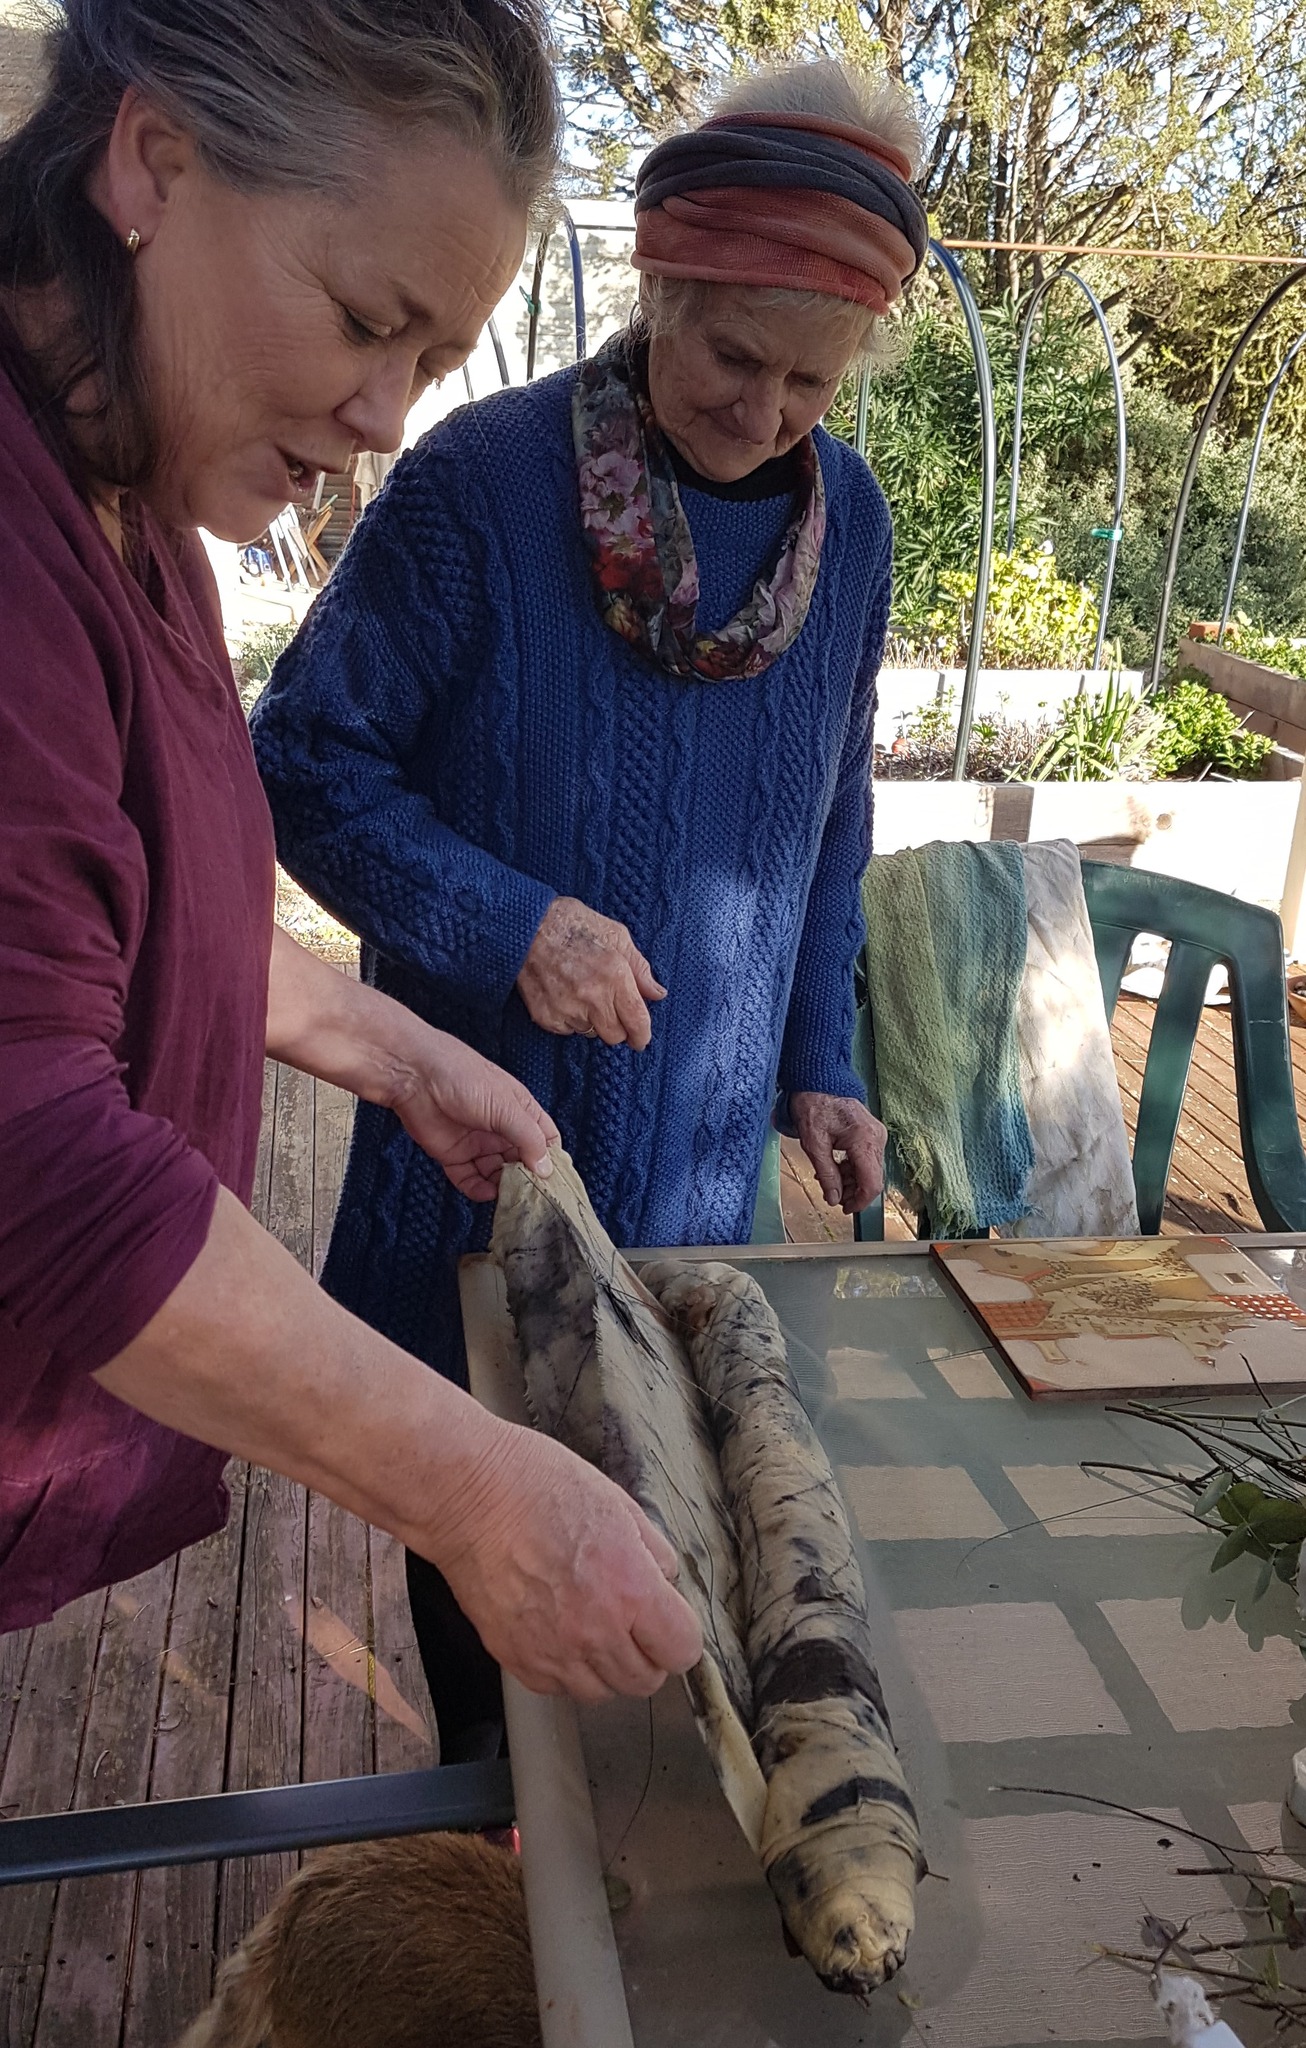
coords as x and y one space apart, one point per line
1082 1184
676 1383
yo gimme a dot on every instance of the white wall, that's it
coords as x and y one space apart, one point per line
1232 836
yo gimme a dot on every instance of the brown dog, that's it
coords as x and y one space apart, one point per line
417 1943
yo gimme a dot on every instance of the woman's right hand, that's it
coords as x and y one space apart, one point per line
584 973
566 1581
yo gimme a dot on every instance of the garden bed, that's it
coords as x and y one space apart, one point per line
1028 694
1269 699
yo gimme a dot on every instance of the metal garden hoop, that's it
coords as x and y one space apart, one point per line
1261 425
1204 425
1115 533
988 496
533 303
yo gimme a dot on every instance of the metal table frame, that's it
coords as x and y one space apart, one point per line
52 1846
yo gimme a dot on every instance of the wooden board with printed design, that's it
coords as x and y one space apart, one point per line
1085 1318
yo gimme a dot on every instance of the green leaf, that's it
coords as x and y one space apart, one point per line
1213 1492
1279 1905
1264 1579
1233 1546
1243 1496
1279 1521
1286 1562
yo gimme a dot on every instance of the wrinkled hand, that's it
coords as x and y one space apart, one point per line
845 1144
567 1582
468 1114
585 973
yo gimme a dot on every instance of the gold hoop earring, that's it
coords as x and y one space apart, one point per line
133 241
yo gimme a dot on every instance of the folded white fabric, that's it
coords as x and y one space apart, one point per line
1082 1185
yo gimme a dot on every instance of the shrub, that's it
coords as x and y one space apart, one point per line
924 445
257 656
1000 749
1203 732
1272 584
923 438
1289 656
1035 618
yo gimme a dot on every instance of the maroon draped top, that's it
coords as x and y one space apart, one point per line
136 904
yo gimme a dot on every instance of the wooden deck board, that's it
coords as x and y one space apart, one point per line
41 1772
91 1935
14 1652
265 1743
172 1961
404 1723
282 1646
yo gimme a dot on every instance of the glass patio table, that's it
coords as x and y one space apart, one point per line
1037 1625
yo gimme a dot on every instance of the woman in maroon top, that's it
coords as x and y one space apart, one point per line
236 241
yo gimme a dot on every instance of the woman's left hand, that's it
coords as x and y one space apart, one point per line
845 1144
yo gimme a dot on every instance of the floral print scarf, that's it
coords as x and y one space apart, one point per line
645 571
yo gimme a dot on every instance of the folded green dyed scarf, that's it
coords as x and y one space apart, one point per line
946 938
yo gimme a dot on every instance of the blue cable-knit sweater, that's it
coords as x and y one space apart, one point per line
455 738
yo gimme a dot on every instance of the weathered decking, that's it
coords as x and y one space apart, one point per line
281 1649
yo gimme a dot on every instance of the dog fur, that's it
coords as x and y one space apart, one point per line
412 1943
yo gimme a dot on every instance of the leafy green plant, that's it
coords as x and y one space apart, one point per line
257 656
1252 1490
923 438
1112 736
1035 618
1273 650
923 443
1202 731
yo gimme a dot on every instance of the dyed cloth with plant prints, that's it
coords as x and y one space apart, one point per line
946 939
645 569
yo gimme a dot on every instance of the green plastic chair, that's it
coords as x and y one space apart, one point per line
1206 930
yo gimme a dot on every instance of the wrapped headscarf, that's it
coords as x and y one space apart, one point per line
787 200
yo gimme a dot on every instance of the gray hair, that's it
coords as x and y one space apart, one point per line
669 304
276 94
831 92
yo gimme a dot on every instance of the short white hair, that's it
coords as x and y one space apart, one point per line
670 303
831 92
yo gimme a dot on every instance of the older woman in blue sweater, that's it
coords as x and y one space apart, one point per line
578 738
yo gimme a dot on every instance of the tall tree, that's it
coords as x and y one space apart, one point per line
1052 120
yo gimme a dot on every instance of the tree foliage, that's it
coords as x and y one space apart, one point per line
1149 123
924 444
1074 120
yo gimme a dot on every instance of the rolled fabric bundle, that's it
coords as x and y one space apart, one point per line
676 1383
